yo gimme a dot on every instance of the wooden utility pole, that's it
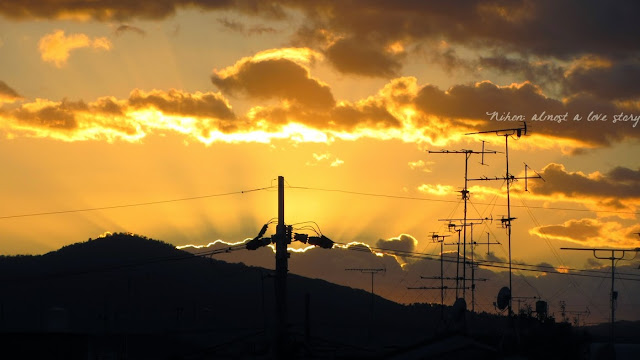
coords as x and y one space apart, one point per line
281 277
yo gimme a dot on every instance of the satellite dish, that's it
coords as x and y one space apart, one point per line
504 296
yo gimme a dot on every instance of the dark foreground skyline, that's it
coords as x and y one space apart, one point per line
95 296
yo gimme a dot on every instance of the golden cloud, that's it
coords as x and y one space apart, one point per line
619 189
591 233
278 73
288 103
56 47
200 115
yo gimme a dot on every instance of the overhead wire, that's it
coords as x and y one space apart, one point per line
496 264
122 206
572 281
402 197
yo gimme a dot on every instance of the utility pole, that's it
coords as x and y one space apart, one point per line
283 236
372 272
282 257
507 133
465 196
616 255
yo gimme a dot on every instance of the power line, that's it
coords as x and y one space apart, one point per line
496 264
401 197
132 205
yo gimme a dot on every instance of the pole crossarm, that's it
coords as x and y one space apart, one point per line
446 278
613 252
365 270
519 131
463 151
510 178
436 288
614 294
480 220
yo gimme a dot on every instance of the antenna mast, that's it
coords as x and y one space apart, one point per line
464 223
372 272
465 197
507 133
616 255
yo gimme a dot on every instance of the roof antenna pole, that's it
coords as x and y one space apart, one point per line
507 133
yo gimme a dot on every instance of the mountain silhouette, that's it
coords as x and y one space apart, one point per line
129 296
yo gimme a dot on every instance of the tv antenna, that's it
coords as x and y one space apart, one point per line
519 299
465 196
616 255
473 267
577 313
507 133
488 243
371 271
440 239
454 227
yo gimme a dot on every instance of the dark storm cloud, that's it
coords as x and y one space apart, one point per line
356 34
125 10
546 27
536 72
624 175
613 80
103 10
275 78
480 100
473 101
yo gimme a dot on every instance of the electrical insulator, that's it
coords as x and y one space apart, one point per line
300 237
321 241
262 231
256 243
288 232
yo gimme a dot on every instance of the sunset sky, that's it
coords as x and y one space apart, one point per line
104 104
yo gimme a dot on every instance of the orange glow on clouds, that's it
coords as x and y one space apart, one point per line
56 47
